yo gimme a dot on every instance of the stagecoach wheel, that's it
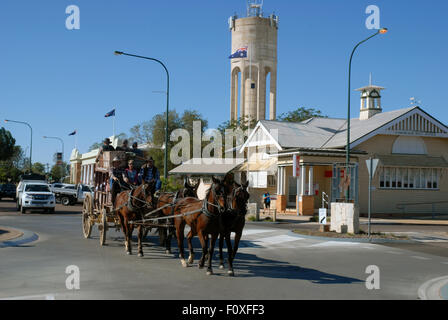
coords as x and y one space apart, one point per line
86 213
103 228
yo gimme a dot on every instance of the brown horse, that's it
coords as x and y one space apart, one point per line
203 217
233 221
166 233
131 207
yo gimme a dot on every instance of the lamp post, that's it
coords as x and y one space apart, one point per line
62 141
165 172
347 160
31 144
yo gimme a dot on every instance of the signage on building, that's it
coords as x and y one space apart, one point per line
296 166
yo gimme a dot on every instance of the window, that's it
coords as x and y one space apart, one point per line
409 178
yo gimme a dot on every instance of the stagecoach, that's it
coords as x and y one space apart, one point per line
98 209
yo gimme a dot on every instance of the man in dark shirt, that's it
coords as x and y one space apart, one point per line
124 146
149 172
107 145
136 150
116 179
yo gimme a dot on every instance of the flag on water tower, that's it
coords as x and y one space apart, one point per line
240 53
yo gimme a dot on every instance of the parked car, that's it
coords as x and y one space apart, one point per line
36 195
8 190
69 194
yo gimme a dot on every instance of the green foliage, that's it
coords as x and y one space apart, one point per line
172 184
38 168
301 114
153 133
58 172
7 143
241 123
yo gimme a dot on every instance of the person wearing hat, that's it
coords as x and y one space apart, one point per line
136 150
149 172
116 178
130 175
124 146
107 145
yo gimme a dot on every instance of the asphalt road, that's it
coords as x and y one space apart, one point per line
271 264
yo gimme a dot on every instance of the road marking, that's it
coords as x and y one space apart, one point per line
275 240
393 252
420 258
256 231
48 296
335 244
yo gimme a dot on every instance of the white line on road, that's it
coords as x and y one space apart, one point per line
256 231
335 244
276 240
48 296
420 258
394 252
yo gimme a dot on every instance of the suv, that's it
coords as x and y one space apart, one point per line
36 195
8 190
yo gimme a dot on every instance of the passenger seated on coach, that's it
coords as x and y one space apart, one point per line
149 172
116 179
136 150
130 175
124 146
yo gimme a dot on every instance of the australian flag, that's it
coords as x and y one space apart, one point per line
240 53
73 133
110 114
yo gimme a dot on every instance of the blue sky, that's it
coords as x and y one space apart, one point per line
60 80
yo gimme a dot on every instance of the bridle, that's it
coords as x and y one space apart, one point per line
207 203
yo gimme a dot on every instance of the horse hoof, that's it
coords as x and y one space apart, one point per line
201 267
209 273
230 273
168 252
221 266
190 260
140 255
184 263
128 253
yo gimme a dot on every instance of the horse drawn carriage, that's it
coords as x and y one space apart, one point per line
98 209
221 212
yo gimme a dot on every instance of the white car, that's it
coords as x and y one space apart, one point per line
35 195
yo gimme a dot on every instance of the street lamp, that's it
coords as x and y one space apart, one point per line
62 141
31 144
119 53
347 160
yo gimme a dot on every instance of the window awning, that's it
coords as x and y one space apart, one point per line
418 161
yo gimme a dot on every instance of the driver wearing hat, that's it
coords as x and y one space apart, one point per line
149 172
116 178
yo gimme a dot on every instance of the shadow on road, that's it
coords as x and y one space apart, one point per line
251 265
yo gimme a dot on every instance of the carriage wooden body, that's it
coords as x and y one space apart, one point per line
98 208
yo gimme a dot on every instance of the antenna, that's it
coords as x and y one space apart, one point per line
255 8
415 102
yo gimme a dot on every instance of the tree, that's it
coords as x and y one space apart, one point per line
38 168
301 114
241 123
57 171
153 132
7 143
